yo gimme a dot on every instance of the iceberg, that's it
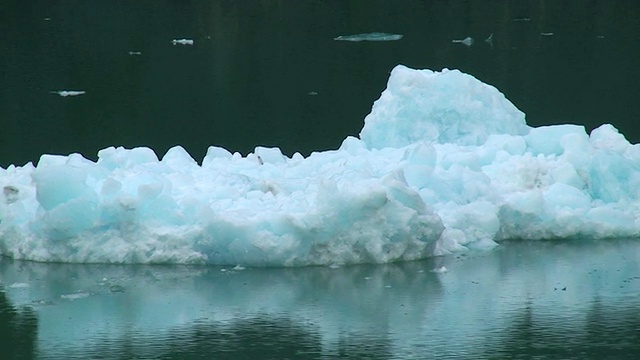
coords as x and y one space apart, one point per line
374 36
65 93
468 41
182 42
444 163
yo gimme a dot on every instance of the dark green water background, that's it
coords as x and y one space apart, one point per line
247 78
246 82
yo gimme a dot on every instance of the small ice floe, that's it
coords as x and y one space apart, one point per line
466 41
19 285
136 53
47 19
546 33
312 93
42 302
75 296
238 268
440 270
600 37
182 42
522 19
489 40
334 266
374 36
65 93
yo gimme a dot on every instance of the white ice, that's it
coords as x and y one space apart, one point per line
468 41
374 36
65 93
182 42
444 163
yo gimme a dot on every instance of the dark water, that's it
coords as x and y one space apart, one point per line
247 78
247 81
544 300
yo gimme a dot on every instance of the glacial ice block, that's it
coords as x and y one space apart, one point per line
443 107
444 163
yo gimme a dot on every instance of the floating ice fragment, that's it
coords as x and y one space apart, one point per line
135 53
522 19
47 19
466 41
374 36
182 42
238 268
65 93
312 93
546 33
489 40
75 296
19 285
440 270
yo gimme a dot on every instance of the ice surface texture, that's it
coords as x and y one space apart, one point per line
444 163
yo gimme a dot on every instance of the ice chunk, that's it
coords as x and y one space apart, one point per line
440 270
182 42
19 285
444 163
440 107
489 40
374 36
65 93
468 41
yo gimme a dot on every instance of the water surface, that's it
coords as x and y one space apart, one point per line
549 300
270 72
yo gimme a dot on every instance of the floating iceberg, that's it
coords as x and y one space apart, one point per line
374 36
65 93
444 163
468 41
182 42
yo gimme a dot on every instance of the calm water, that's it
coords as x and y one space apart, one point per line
546 300
246 80
269 73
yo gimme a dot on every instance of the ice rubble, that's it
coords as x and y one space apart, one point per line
444 163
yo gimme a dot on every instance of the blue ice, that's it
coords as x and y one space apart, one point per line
444 163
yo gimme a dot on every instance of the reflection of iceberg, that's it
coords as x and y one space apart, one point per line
374 36
443 163
404 308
